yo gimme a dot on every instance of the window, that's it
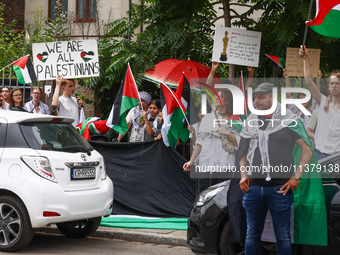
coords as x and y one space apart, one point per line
53 8
86 10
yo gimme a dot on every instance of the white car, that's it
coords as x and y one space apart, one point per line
48 174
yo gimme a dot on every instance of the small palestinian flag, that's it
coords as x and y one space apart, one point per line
127 98
42 56
87 56
281 62
327 18
24 70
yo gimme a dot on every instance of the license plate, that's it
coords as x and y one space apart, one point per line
83 173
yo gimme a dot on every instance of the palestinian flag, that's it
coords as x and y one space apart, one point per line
24 70
87 56
310 216
174 112
91 126
127 98
42 56
281 62
327 18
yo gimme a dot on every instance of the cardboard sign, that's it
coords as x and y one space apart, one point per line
71 59
236 46
294 62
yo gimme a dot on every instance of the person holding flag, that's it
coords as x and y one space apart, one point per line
327 131
136 120
216 143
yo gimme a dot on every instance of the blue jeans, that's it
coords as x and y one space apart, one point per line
256 201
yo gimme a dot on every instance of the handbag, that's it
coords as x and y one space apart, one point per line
227 144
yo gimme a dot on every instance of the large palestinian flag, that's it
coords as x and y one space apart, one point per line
327 18
127 98
174 114
24 70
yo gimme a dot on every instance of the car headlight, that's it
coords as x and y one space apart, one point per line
40 166
208 194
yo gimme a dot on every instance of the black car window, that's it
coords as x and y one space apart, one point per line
53 136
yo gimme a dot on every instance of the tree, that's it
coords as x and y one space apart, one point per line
12 43
176 29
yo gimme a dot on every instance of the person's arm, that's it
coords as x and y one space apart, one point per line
192 130
148 127
195 153
244 181
318 80
231 136
55 97
310 133
120 136
314 90
250 80
306 156
212 73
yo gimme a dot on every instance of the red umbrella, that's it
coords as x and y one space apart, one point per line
170 71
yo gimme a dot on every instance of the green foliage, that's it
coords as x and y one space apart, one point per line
11 42
176 29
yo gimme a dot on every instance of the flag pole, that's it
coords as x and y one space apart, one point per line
306 29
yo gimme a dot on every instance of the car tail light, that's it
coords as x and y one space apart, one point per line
50 214
40 166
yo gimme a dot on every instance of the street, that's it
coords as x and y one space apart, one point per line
58 244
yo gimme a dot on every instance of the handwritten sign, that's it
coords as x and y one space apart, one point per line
236 46
71 59
294 63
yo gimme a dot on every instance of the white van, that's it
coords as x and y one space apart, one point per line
48 174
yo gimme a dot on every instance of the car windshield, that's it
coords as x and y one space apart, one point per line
54 136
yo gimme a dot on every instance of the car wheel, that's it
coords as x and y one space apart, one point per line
226 246
15 226
79 228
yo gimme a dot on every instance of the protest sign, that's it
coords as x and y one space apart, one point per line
71 59
236 46
294 62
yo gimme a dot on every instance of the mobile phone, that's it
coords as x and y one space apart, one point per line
76 94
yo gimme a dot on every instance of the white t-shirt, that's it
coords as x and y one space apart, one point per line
327 133
136 135
6 106
68 106
212 152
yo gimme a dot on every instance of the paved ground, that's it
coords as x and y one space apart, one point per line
156 236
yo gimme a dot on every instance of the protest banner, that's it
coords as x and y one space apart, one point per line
236 46
71 59
294 62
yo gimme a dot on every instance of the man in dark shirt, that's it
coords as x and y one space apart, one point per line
268 158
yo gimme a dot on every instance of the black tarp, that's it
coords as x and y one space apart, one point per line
148 179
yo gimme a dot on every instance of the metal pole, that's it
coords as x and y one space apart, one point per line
306 29
129 35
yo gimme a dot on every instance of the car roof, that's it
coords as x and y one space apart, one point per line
18 116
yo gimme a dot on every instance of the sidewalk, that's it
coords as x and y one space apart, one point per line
156 236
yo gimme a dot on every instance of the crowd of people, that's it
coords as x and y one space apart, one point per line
267 145
64 105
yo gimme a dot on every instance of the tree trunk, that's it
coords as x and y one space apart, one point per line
227 23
